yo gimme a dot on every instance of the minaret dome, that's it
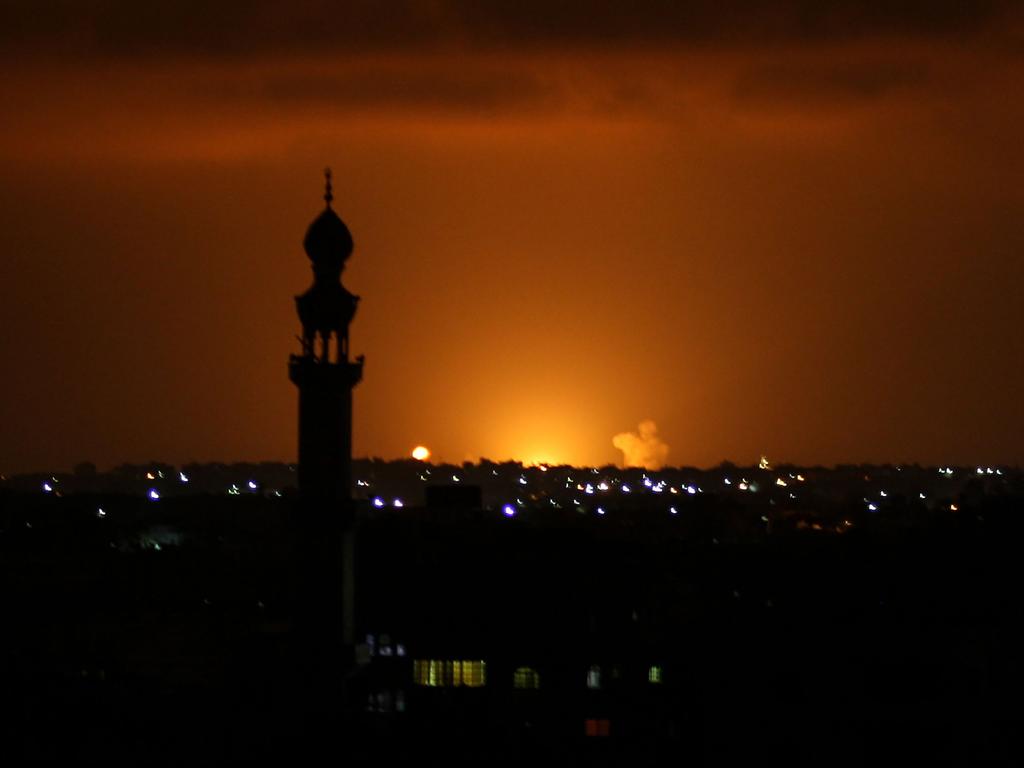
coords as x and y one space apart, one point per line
328 240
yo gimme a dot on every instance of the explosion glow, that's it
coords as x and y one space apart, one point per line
421 453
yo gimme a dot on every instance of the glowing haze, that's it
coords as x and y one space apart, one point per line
794 229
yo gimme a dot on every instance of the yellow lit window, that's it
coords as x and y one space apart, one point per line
426 672
474 674
438 673
526 677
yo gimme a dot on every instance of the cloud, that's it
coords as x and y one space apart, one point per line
430 85
315 27
830 82
108 80
642 448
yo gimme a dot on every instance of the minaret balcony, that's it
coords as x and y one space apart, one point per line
308 370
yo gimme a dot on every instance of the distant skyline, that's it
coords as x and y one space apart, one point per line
792 229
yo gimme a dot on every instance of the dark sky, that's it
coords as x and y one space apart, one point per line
787 228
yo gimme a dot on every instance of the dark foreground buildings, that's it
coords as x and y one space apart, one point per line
687 621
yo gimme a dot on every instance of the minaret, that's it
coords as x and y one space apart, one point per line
322 371
325 378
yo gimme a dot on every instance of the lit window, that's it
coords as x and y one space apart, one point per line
474 674
654 675
594 677
436 673
526 677
452 673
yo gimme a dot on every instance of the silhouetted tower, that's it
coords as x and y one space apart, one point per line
325 377
322 371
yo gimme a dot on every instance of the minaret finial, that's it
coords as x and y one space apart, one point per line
328 195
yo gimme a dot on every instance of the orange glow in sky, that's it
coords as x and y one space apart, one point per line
800 243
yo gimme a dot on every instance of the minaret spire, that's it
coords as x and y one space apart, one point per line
328 193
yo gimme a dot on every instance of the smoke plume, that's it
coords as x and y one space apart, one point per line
642 448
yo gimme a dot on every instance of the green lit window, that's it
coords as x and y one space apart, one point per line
654 674
526 677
